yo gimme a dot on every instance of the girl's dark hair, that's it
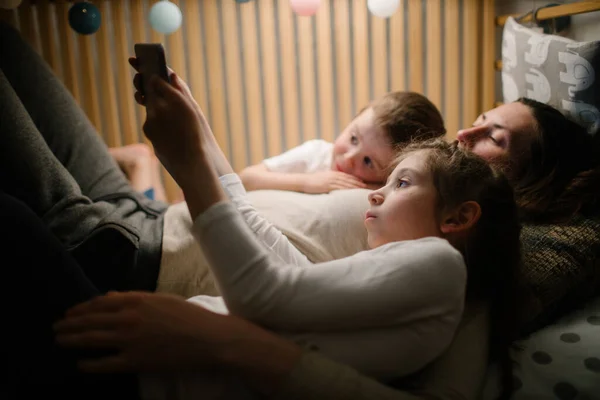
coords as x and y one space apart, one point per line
492 250
563 175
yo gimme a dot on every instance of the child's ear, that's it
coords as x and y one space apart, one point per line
462 218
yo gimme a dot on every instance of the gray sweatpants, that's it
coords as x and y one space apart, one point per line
52 159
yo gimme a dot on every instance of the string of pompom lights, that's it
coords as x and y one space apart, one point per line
166 17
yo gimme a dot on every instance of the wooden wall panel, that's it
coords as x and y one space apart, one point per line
130 129
344 82
218 118
360 37
307 77
47 31
89 83
471 71
272 107
70 70
378 56
288 61
398 62
452 98
325 73
28 25
252 80
488 49
110 119
434 52
266 78
235 98
415 45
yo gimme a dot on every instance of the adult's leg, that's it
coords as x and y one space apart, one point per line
117 243
41 282
62 123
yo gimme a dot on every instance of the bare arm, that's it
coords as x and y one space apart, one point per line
258 177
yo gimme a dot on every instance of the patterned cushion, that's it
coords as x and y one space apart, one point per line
553 70
561 361
561 265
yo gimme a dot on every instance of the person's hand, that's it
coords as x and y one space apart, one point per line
183 140
175 129
180 85
176 82
150 332
327 181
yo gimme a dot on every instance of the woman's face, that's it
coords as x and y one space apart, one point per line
502 137
405 208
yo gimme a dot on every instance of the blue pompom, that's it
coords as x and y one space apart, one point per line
84 18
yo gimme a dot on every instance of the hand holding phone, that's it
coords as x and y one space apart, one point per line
151 61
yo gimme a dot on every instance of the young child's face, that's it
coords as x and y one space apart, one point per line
363 149
405 208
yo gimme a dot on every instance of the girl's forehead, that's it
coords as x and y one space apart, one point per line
416 157
415 160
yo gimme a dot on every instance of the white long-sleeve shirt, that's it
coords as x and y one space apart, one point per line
387 311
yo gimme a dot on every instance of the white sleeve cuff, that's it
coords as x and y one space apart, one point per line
233 186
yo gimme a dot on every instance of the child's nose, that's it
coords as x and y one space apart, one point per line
470 135
376 198
351 157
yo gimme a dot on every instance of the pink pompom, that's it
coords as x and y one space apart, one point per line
305 7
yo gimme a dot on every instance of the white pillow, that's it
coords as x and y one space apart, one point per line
322 226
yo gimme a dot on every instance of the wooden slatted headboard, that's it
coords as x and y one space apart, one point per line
268 79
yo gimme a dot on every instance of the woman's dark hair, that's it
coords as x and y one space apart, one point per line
492 250
563 175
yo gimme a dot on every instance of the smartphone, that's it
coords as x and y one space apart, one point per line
152 61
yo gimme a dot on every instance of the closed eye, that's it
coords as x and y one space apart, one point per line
489 133
496 142
498 139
